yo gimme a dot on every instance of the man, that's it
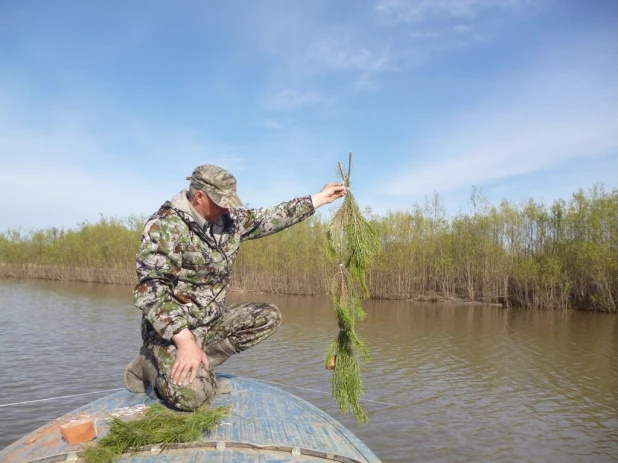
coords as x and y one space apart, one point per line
184 263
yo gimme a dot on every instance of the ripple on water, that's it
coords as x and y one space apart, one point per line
447 383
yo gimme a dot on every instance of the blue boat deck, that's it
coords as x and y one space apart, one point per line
265 424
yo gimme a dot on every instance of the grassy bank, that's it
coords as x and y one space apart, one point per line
560 256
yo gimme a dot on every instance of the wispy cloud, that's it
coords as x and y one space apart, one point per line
438 25
463 28
425 34
293 99
336 55
60 171
415 11
550 116
365 83
307 47
77 140
270 124
352 55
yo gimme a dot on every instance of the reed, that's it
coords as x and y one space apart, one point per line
558 256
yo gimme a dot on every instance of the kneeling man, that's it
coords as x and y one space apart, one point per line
184 264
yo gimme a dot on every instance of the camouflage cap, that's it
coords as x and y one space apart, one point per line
218 183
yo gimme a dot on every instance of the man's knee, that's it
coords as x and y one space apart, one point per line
273 314
188 396
266 319
258 321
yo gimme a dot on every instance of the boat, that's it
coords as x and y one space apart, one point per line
265 424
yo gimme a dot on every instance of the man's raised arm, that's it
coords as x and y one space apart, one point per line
257 223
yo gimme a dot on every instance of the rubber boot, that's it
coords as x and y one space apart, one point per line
217 354
139 373
223 386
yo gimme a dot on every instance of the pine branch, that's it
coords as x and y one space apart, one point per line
160 426
354 244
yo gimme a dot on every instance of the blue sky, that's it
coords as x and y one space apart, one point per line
106 107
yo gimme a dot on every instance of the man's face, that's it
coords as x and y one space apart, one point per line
216 210
207 207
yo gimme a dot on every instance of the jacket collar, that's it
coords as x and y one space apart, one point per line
181 205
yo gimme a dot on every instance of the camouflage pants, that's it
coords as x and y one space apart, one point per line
244 325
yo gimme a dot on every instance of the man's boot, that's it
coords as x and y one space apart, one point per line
139 373
218 353
223 386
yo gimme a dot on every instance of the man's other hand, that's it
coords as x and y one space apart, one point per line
188 357
329 193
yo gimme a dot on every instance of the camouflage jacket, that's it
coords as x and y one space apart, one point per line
183 269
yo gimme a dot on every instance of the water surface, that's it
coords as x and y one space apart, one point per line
448 383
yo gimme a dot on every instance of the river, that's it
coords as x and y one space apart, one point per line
447 383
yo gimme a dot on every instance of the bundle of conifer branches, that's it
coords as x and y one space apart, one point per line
353 243
160 426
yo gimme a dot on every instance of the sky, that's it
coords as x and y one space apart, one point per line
106 107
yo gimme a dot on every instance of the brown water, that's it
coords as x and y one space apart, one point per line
448 383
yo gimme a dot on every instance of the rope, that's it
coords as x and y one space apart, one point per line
59 397
321 392
121 388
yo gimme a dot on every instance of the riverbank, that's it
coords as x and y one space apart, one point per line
563 256
78 274
127 277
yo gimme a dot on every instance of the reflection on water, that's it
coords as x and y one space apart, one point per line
450 383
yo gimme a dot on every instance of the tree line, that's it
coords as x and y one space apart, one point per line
558 256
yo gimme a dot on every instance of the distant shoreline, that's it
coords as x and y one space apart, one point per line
539 257
127 277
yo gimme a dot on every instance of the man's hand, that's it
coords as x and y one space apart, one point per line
188 357
329 193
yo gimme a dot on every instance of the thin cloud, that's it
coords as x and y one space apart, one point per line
335 55
66 174
425 35
435 26
365 83
557 115
63 175
416 11
306 47
463 28
294 99
270 124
